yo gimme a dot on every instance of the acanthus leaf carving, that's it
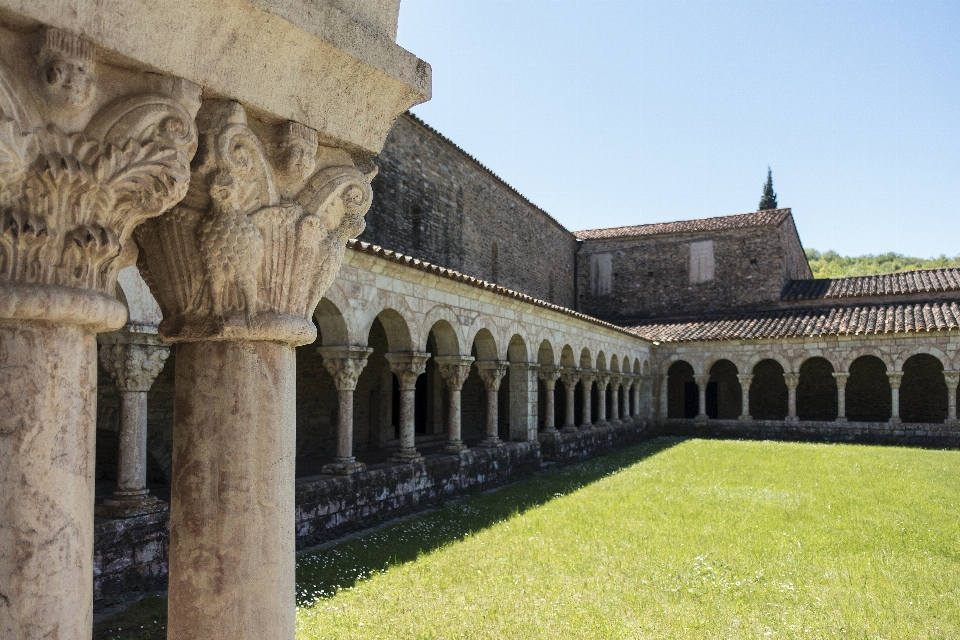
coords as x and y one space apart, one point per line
260 235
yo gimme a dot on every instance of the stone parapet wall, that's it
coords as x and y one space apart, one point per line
915 435
130 556
566 448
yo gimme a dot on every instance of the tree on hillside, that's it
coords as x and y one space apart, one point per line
769 199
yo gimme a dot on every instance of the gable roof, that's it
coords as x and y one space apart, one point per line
887 284
804 322
766 218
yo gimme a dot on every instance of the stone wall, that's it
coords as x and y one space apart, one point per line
564 448
434 202
650 277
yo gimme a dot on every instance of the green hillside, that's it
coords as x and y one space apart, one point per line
830 264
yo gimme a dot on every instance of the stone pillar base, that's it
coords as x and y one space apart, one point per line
745 418
491 443
569 429
895 420
841 420
343 467
792 420
129 506
952 423
454 446
406 456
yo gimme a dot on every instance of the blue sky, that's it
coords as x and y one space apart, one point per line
609 113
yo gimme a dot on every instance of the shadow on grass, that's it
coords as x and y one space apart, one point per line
339 565
321 573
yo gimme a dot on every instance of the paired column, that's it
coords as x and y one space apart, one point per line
745 380
570 377
664 396
841 377
702 380
792 380
895 377
80 172
454 371
492 372
407 367
549 374
345 364
615 398
133 359
952 378
587 379
238 270
603 381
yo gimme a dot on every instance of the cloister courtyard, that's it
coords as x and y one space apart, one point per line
671 538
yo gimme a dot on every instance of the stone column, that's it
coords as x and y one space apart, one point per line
895 377
665 396
587 418
638 407
133 359
841 378
702 381
523 401
745 379
792 380
952 378
345 364
549 375
492 372
238 270
570 377
603 380
454 371
407 367
615 398
84 163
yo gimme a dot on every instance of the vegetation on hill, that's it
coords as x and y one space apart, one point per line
831 264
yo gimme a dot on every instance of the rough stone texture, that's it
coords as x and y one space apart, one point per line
333 65
566 447
649 276
129 556
434 202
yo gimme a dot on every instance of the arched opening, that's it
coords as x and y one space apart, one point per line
923 390
519 386
545 358
768 392
566 357
868 391
724 396
473 398
683 398
817 391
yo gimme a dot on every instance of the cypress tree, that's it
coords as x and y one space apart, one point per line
769 199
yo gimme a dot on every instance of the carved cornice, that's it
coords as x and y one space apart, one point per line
454 370
260 235
345 364
133 360
71 195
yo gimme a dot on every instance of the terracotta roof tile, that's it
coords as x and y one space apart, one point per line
786 323
887 284
769 217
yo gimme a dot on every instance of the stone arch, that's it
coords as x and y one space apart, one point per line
486 324
724 397
683 397
566 356
868 390
646 367
585 361
817 390
853 355
485 345
545 355
750 363
398 332
445 324
768 390
398 319
923 389
614 363
142 307
517 349
901 358
332 324
601 361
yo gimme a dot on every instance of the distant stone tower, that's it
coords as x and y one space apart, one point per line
769 199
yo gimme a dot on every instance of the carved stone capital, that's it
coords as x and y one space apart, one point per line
952 378
345 364
80 167
587 376
792 380
260 235
841 377
895 378
454 370
492 372
133 360
702 379
549 374
407 367
570 376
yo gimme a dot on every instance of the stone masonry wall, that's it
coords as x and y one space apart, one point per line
650 276
434 202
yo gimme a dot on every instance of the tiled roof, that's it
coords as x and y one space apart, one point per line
786 323
888 284
443 272
769 217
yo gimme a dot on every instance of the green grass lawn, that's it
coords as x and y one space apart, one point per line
670 539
